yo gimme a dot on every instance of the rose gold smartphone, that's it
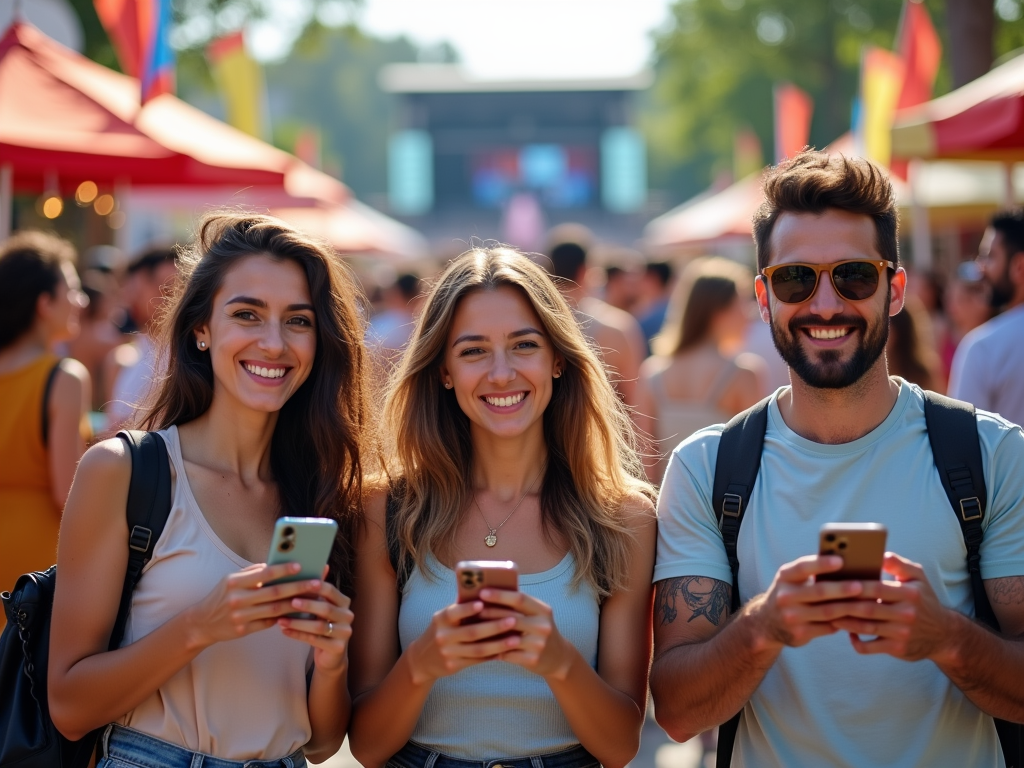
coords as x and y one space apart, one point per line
861 545
475 575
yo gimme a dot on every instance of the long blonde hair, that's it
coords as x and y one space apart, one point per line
592 469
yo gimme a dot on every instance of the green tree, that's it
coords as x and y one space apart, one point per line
717 63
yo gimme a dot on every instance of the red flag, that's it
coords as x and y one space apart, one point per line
121 20
793 110
919 47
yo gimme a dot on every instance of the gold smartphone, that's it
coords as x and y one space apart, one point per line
861 545
472 576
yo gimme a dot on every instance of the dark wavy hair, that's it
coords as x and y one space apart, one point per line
813 182
322 437
30 265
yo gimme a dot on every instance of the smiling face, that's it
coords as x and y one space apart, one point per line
261 336
499 362
829 342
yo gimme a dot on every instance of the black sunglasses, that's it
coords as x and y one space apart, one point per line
853 279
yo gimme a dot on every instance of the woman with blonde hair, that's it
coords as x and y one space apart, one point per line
509 443
692 381
264 411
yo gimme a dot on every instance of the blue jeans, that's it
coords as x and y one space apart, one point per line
123 747
413 755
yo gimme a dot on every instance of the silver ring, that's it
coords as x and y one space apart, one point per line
330 628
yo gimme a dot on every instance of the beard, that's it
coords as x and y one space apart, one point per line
1002 289
828 370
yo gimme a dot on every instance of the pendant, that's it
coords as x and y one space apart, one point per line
491 539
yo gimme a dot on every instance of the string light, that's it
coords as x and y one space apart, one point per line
53 206
86 193
104 204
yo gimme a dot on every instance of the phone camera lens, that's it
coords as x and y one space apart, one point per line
828 551
285 545
288 532
830 537
842 545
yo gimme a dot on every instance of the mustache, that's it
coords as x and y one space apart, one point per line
838 321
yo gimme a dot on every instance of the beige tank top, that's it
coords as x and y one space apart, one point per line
243 699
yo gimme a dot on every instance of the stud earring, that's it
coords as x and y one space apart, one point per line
447 385
201 344
556 374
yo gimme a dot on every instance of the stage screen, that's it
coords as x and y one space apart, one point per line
560 176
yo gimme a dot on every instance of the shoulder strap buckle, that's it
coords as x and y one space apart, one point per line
732 505
140 539
970 509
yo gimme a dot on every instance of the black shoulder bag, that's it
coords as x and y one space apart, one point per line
956 450
28 738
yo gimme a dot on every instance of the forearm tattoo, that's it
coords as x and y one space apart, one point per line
1008 591
700 596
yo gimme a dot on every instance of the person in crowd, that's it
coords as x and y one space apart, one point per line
43 427
655 289
845 672
911 350
99 335
988 366
264 411
392 325
132 368
968 304
509 443
615 333
621 286
691 383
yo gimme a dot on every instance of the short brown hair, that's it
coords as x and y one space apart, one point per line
813 182
30 265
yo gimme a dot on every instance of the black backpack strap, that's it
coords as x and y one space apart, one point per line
47 389
956 449
149 505
736 468
739 460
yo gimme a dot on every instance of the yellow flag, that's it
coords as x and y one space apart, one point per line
240 79
881 80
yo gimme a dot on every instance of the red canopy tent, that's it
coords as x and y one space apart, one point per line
61 113
983 120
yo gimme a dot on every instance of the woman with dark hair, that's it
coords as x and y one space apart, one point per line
692 381
507 443
264 411
43 427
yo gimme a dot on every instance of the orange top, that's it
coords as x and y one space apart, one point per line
29 517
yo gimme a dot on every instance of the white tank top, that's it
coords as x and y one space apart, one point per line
243 699
496 709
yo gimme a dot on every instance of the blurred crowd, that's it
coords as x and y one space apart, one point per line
682 341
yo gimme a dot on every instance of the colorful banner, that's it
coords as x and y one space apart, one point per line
921 50
240 79
881 80
140 32
793 110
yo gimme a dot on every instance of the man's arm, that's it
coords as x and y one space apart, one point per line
912 625
707 665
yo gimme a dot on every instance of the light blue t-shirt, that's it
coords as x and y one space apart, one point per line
825 704
497 709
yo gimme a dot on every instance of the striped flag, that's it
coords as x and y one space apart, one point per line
140 32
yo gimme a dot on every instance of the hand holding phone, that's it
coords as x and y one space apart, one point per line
473 576
862 547
303 540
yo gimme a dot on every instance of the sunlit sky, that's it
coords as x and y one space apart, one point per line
505 38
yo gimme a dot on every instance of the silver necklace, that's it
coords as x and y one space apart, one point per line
491 539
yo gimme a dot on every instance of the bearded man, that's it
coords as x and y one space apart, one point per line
851 672
988 367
